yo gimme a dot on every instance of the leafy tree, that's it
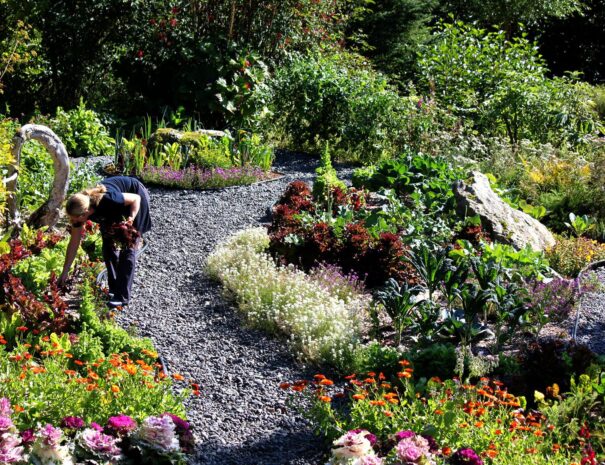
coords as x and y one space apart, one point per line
391 31
160 52
19 46
502 85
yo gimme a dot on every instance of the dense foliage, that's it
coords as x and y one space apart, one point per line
68 369
353 277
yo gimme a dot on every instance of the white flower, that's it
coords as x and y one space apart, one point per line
352 445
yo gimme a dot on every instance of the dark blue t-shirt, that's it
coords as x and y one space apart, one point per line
111 208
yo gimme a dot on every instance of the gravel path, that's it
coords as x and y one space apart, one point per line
591 320
241 415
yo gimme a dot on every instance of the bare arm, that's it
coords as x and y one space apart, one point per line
134 202
70 253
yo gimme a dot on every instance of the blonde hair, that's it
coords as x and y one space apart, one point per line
79 203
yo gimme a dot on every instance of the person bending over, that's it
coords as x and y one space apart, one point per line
115 200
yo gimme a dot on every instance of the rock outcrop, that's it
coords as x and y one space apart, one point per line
503 222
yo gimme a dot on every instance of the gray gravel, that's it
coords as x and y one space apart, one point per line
241 416
591 318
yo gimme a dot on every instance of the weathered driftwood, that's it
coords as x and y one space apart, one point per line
48 213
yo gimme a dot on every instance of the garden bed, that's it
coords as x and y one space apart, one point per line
174 179
461 306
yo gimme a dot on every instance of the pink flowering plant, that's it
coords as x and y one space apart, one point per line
194 177
353 448
157 440
95 445
11 450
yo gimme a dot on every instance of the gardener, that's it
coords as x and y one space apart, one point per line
112 202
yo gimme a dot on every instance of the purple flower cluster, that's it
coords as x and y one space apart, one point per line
556 298
183 431
355 444
50 436
160 433
465 456
357 448
332 278
412 448
194 177
72 423
167 435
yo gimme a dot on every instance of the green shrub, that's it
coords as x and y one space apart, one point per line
113 338
599 100
35 271
319 325
37 173
502 85
435 360
53 388
327 179
569 255
82 132
317 99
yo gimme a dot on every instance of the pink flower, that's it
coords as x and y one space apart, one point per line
72 422
50 436
354 444
6 425
412 449
404 434
5 407
466 456
121 425
159 432
10 449
27 436
371 460
101 445
96 426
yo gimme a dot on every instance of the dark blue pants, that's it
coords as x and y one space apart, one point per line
121 265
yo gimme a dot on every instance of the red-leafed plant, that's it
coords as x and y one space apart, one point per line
475 234
43 240
122 235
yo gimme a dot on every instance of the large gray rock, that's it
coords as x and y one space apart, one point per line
504 222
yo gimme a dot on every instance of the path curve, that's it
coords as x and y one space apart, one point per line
241 415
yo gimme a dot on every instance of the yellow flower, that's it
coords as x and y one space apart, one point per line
538 397
536 176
